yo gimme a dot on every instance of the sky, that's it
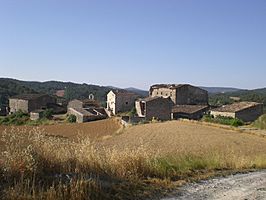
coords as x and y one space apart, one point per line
135 43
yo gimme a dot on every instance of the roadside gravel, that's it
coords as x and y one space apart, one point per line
250 186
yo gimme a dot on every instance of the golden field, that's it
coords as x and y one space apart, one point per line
134 163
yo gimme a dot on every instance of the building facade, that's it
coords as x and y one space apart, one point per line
86 110
120 101
30 102
245 111
154 108
180 94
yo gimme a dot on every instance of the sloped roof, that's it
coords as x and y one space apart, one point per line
235 107
190 109
82 111
123 92
28 96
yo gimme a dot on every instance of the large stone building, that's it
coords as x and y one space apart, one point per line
30 102
246 111
86 110
180 94
154 107
119 101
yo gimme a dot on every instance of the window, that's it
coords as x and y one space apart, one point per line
161 93
126 103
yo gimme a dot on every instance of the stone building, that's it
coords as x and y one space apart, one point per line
119 101
84 103
154 107
194 112
30 102
86 110
87 114
246 111
180 94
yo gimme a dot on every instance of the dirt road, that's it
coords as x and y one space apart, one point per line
251 186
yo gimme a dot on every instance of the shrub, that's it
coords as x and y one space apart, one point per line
71 118
48 113
18 118
223 120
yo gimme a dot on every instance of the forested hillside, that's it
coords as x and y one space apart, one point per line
9 87
258 95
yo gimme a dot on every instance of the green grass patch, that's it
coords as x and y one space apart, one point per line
223 120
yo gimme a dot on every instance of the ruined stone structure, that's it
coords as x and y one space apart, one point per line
246 111
154 107
119 101
86 110
30 102
84 103
180 94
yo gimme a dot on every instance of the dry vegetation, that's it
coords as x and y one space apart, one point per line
131 165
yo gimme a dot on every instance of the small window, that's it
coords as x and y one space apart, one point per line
126 103
161 93
157 92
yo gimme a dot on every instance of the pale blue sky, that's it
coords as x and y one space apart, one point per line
135 42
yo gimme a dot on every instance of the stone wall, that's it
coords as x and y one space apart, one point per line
190 95
183 95
224 114
75 104
250 114
124 102
111 101
164 92
40 103
18 104
159 108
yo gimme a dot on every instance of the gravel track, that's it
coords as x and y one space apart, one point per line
250 186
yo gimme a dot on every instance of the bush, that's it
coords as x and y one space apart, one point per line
223 120
48 113
18 118
71 118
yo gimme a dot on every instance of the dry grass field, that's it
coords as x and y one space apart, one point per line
93 130
135 163
182 137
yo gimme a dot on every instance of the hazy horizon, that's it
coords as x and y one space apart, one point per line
135 44
130 86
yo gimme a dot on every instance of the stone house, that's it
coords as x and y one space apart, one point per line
84 103
154 107
87 114
245 111
180 94
119 101
194 112
30 102
86 110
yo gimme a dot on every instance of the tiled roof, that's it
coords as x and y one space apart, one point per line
82 111
190 109
235 107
